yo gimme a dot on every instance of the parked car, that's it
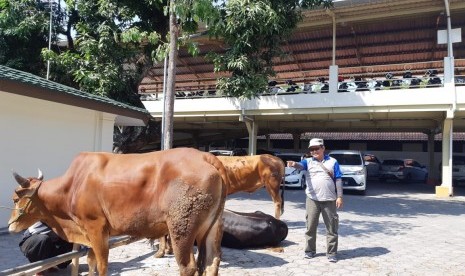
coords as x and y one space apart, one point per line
373 164
405 170
354 173
458 169
293 177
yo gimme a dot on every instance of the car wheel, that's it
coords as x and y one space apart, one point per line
302 182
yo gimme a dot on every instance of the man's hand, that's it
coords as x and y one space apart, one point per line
291 163
339 202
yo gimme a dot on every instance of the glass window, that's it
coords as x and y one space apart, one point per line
347 159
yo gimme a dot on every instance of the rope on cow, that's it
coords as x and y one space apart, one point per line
9 208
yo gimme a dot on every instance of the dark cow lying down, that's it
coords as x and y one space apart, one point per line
249 230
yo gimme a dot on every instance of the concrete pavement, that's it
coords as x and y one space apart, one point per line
396 229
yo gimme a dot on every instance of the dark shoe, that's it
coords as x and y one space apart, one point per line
309 255
332 258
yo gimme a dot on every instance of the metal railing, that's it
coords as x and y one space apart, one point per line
78 251
399 76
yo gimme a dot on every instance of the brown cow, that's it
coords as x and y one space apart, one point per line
247 174
180 192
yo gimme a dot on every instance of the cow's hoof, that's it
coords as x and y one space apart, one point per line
159 254
276 249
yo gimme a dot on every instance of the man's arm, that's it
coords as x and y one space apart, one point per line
297 165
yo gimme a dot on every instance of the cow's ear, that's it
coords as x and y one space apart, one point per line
21 192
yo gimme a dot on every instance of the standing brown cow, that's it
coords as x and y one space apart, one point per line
180 192
247 174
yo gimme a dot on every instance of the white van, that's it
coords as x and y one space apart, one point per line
354 173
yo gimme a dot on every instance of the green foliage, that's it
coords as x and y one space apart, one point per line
114 44
116 41
254 30
23 33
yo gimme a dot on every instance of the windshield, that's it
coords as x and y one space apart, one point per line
393 162
347 159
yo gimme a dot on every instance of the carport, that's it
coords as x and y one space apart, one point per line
355 39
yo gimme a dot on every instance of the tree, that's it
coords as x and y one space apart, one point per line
24 32
253 29
117 41
254 32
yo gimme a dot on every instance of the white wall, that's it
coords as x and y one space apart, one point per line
41 134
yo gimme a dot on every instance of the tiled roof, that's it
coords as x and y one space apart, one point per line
7 73
357 136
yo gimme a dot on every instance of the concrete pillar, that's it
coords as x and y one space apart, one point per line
449 69
195 140
446 189
296 141
333 76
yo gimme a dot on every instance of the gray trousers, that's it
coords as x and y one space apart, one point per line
331 220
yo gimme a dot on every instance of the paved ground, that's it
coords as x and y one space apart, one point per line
396 229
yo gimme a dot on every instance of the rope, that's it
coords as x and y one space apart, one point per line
9 208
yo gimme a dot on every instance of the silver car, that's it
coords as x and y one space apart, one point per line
404 170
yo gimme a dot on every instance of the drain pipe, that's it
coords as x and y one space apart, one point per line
333 69
449 83
333 17
449 30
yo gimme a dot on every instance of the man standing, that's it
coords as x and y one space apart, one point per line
324 196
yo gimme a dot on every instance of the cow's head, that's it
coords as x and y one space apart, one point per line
25 200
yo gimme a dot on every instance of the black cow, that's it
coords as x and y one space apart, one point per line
251 230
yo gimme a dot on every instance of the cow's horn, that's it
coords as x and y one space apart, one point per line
21 180
40 175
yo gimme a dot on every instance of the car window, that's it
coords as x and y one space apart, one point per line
347 159
459 160
370 158
393 162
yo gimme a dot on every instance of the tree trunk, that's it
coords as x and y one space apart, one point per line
171 81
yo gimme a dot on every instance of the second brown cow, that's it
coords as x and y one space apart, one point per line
247 174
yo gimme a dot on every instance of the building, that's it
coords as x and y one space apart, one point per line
45 124
367 45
